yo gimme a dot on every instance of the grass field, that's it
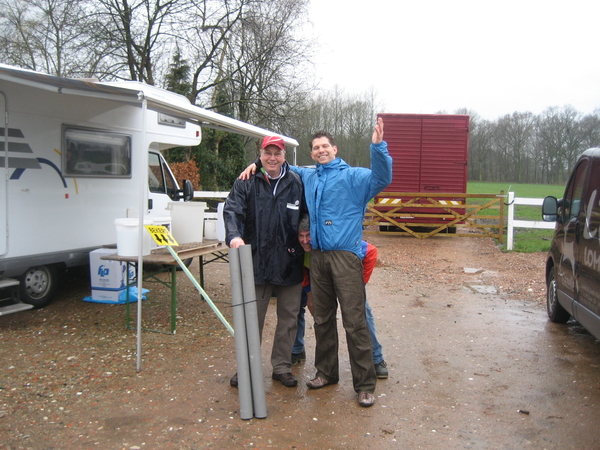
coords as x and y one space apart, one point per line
520 190
525 239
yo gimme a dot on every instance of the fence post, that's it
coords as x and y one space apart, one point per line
501 219
511 217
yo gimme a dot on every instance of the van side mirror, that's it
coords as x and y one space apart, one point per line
188 190
550 209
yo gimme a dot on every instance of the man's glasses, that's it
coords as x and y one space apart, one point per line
271 154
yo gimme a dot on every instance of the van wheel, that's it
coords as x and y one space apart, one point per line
38 285
556 312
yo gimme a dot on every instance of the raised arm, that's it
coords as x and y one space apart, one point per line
378 132
381 162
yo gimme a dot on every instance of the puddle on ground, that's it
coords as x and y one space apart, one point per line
482 289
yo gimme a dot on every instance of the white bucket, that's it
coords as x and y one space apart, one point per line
127 237
187 221
163 221
210 229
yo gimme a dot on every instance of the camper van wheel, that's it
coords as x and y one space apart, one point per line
38 285
187 263
556 312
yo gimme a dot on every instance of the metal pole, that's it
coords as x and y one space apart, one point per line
143 158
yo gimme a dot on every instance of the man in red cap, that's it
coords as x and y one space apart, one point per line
264 211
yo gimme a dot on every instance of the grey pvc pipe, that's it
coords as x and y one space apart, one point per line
241 343
253 333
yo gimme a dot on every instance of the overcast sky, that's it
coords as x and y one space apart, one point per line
491 57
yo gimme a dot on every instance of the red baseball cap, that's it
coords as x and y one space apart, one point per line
273 140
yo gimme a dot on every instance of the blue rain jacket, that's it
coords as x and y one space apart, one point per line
337 196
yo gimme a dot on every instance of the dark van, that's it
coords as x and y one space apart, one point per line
573 265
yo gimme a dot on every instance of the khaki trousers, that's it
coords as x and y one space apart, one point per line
337 276
288 306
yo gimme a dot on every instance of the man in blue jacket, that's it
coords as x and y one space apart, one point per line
336 197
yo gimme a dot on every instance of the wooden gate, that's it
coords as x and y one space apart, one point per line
425 214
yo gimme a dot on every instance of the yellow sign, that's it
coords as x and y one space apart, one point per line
161 235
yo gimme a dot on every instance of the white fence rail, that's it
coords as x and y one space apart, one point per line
513 223
210 194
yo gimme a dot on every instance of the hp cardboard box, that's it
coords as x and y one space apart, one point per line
108 278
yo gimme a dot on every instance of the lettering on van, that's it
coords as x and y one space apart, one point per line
591 259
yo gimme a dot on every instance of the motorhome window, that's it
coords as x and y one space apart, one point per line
96 153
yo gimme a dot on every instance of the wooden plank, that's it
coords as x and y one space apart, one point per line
184 251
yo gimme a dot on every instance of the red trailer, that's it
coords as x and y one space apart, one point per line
430 153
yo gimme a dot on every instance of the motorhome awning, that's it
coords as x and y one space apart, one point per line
107 97
135 92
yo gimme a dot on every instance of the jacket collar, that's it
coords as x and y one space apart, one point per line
337 163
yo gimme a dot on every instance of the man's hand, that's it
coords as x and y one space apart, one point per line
378 132
248 172
236 243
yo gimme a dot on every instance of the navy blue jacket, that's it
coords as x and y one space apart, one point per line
269 223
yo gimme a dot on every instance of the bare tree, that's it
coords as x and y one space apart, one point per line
50 36
349 118
590 130
480 146
264 61
358 120
138 32
201 37
560 139
514 140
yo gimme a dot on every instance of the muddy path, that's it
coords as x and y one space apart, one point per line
473 363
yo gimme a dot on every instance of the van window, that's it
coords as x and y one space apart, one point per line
95 153
594 183
594 196
574 193
160 180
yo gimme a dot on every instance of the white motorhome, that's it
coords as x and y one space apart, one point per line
74 156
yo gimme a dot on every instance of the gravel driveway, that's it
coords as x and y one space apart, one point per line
474 363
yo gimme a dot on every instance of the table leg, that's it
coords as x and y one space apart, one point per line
173 298
127 311
201 264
